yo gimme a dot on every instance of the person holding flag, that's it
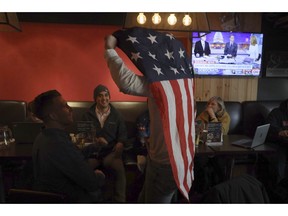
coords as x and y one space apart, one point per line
167 82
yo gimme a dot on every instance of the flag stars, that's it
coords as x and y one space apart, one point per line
158 70
169 55
152 39
170 36
181 53
191 68
152 56
135 56
174 70
182 69
132 39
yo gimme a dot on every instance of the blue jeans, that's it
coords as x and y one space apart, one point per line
116 164
159 185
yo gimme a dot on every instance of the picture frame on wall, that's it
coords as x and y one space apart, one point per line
277 64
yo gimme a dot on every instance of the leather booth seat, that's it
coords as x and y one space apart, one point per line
129 111
245 116
12 111
235 111
255 113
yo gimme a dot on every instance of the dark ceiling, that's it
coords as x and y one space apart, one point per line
74 18
272 21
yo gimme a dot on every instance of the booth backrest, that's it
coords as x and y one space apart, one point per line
79 108
235 111
12 111
255 113
129 111
245 116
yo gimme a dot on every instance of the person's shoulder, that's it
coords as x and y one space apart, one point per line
227 114
93 106
113 108
275 111
52 139
114 111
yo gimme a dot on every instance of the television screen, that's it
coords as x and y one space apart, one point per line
219 53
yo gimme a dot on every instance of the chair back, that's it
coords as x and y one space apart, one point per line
31 196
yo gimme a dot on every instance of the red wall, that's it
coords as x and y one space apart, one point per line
69 58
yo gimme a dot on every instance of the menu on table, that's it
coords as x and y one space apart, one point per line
214 134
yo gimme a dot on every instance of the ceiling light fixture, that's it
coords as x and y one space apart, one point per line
182 21
187 20
141 18
156 18
172 20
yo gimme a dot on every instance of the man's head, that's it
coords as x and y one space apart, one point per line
217 104
284 106
102 96
203 36
232 38
51 107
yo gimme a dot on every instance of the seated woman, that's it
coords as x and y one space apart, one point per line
210 171
215 112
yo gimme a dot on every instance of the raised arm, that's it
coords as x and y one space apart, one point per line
127 81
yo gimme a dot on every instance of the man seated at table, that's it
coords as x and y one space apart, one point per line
59 166
210 171
278 133
111 135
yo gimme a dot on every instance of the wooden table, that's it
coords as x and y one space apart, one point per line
15 151
227 148
203 150
231 152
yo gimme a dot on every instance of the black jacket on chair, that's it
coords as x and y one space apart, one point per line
242 189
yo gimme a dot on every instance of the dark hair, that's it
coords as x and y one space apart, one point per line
30 106
99 89
284 105
42 102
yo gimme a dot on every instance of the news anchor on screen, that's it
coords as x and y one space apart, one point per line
231 48
202 47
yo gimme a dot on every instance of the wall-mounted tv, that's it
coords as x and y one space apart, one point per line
219 53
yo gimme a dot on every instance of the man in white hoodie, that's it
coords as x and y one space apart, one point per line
159 185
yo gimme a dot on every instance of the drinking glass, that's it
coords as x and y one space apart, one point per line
5 137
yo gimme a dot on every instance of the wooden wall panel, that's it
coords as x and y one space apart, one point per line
230 89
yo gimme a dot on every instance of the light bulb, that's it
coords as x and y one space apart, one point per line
172 19
141 18
187 20
156 18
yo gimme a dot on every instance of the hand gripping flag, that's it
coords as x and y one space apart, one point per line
163 61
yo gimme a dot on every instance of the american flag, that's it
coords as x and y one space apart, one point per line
164 62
